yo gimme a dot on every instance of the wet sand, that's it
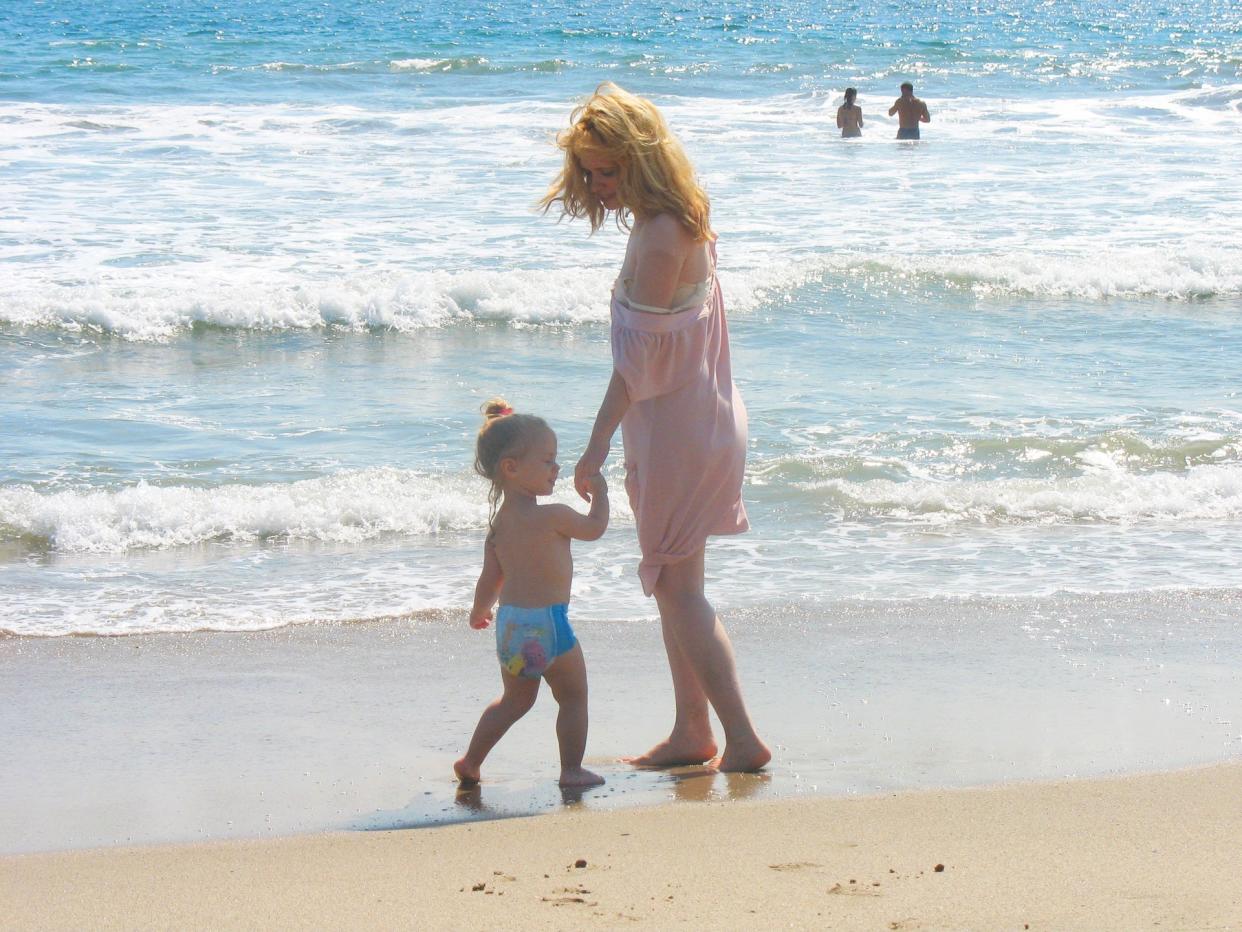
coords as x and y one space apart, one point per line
205 737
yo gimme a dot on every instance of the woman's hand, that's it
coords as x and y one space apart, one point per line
588 467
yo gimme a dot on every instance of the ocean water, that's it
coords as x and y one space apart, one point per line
261 262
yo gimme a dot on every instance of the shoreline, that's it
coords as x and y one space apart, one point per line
1153 850
185 738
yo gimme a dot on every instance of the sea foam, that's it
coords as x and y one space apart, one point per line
367 504
347 507
160 302
154 304
1207 493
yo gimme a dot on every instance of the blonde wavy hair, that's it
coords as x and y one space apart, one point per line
655 175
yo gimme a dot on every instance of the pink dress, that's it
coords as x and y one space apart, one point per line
685 429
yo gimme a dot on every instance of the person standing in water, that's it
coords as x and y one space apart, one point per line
849 115
910 113
682 420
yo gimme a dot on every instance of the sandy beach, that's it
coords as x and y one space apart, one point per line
1158 851
260 265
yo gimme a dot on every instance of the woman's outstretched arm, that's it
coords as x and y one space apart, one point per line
616 402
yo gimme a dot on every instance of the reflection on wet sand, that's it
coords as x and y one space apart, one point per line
470 797
703 784
505 799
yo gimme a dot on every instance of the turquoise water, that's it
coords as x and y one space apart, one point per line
332 52
260 264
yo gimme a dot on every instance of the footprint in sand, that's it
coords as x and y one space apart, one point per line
852 890
570 895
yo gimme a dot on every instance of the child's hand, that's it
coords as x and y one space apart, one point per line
597 485
480 618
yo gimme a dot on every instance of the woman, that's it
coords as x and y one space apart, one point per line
849 115
683 423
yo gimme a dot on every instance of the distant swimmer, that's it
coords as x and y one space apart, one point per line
849 115
911 112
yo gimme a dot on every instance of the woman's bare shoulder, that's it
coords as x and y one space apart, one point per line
665 233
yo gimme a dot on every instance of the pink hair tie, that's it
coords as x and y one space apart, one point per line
503 412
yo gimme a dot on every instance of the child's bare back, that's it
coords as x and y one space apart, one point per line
534 554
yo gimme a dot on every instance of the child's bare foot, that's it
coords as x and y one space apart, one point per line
676 752
467 773
743 757
578 778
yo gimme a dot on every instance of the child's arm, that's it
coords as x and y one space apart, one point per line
591 526
487 589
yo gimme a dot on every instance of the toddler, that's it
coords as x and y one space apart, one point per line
528 567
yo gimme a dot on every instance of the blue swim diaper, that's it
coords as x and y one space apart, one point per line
528 639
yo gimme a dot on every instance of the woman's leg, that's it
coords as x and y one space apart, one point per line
516 700
701 657
691 740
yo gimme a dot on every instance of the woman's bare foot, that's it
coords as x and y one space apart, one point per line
675 753
743 757
578 778
467 773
